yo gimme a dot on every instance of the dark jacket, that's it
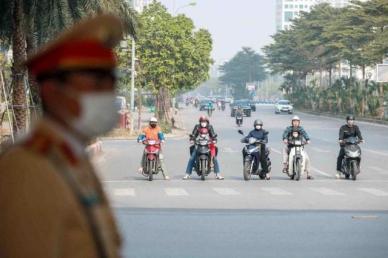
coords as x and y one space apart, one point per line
287 133
258 134
195 132
347 131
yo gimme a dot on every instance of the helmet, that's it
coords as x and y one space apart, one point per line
295 118
258 122
153 120
350 117
203 119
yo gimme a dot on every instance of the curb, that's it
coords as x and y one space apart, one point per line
342 117
94 149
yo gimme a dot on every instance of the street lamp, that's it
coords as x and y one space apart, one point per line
193 3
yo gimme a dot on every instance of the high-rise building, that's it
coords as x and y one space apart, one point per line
138 5
286 10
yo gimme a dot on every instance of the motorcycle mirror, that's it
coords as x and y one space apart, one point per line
240 132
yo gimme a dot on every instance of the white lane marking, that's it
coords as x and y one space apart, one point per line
373 191
124 192
320 172
276 151
326 191
382 171
275 191
176 192
376 152
229 150
319 150
226 191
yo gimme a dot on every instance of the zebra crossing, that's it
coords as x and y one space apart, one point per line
117 192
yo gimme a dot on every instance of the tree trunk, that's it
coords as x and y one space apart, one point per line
330 75
18 71
381 101
163 106
139 106
36 105
363 72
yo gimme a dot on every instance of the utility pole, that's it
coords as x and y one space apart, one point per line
132 82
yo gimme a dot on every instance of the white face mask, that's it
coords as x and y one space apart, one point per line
203 124
258 127
98 114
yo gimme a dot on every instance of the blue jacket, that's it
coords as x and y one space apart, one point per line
288 131
258 134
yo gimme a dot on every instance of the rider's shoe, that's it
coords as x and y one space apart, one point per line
140 170
187 176
219 177
338 175
267 177
285 168
166 178
310 177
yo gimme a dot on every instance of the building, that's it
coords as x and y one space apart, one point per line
286 10
138 5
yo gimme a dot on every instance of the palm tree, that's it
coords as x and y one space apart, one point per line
26 24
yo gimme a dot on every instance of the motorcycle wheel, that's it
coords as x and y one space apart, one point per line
203 169
298 168
151 165
247 170
353 169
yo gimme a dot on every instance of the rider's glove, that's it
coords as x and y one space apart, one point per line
285 141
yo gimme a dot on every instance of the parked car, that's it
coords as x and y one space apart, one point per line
245 105
283 106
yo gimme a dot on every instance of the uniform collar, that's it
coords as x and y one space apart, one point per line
61 133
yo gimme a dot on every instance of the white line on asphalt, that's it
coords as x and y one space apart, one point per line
373 191
326 191
376 152
382 171
176 192
226 191
124 192
275 191
276 151
319 150
320 172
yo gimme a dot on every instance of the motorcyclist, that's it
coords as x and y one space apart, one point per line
203 123
260 134
346 131
295 127
153 132
239 111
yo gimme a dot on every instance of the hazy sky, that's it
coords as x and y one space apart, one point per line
232 23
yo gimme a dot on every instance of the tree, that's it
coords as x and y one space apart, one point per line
173 56
246 66
23 27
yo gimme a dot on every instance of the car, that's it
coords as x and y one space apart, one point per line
283 106
204 104
245 105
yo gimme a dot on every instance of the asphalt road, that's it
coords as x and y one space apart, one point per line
235 218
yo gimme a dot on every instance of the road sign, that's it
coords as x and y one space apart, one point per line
382 73
251 86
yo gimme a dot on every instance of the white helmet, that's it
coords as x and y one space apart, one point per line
153 120
295 118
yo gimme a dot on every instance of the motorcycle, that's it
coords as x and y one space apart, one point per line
209 111
206 151
350 166
151 164
297 157
239 120
252 152
223 106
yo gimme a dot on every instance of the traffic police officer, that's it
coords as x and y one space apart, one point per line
51 201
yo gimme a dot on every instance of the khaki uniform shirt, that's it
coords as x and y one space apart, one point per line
40 214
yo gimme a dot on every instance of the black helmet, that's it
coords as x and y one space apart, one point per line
350 117
258 122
